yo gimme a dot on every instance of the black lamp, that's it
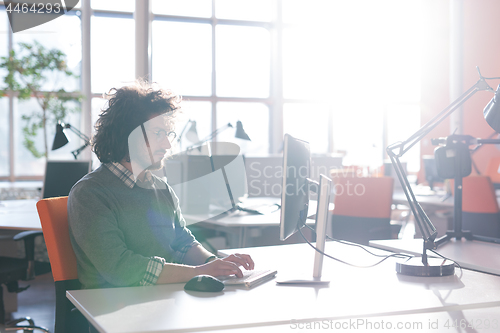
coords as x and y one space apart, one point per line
60 139
492 113
456 145
240 132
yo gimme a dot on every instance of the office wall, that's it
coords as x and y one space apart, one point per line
481 47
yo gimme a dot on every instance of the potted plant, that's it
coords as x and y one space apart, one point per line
29 68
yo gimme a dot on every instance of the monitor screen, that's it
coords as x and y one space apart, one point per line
295 186
60 176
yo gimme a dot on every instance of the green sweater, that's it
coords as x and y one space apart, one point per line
116 230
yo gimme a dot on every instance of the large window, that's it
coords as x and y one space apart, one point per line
343 75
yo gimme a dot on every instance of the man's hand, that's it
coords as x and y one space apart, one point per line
227 266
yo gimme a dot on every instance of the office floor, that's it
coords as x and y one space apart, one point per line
38 302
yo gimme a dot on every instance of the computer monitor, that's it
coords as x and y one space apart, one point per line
295 202
207 184
60 176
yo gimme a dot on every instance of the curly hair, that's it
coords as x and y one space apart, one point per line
129 107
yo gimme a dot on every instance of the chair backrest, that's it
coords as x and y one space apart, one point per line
493 169
478 195
363 196
53 214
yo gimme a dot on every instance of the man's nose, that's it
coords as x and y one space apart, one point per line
166 143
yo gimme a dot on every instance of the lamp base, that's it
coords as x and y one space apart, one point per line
434 267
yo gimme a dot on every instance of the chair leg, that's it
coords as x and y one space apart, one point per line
31 327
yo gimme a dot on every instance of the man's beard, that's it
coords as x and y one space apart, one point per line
156 166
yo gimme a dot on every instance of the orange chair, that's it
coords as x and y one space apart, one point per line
480 211
53 214
362 208
493 171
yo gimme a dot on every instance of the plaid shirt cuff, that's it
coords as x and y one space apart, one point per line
153 270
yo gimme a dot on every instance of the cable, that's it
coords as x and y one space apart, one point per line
360 246
344 262
456 263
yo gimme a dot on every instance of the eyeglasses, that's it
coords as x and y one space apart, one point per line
162 134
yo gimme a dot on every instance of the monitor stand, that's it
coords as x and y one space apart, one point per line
325 185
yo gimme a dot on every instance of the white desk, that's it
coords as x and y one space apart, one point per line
377 292
476 255
19 215
239 223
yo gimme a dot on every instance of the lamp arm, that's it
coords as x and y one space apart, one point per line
406 145
210 136
77 152
82 136
397 150
77 132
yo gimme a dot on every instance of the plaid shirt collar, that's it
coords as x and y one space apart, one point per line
121 172
126 176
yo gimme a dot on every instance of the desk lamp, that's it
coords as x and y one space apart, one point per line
458 149
239 134
60 139
191 134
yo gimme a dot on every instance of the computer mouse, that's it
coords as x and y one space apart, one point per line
204 283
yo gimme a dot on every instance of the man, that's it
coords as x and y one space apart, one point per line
125 224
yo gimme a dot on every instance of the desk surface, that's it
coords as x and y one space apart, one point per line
476 255
19 215
353 293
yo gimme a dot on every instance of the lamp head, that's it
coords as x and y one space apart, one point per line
192 133
492 111
240 132
60 139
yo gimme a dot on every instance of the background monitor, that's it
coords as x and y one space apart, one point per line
207 184
60 176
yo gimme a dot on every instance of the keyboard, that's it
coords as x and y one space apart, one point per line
261 209
249 279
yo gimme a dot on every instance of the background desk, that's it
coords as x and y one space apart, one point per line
376 292
241 226
19 215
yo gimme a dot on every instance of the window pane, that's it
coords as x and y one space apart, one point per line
113 54
196 8
307 122
118 5
294 11
201 112
63 33
252 10
4 136
243 61
183 60
358 130
25 163
403 121
306 70
255 120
